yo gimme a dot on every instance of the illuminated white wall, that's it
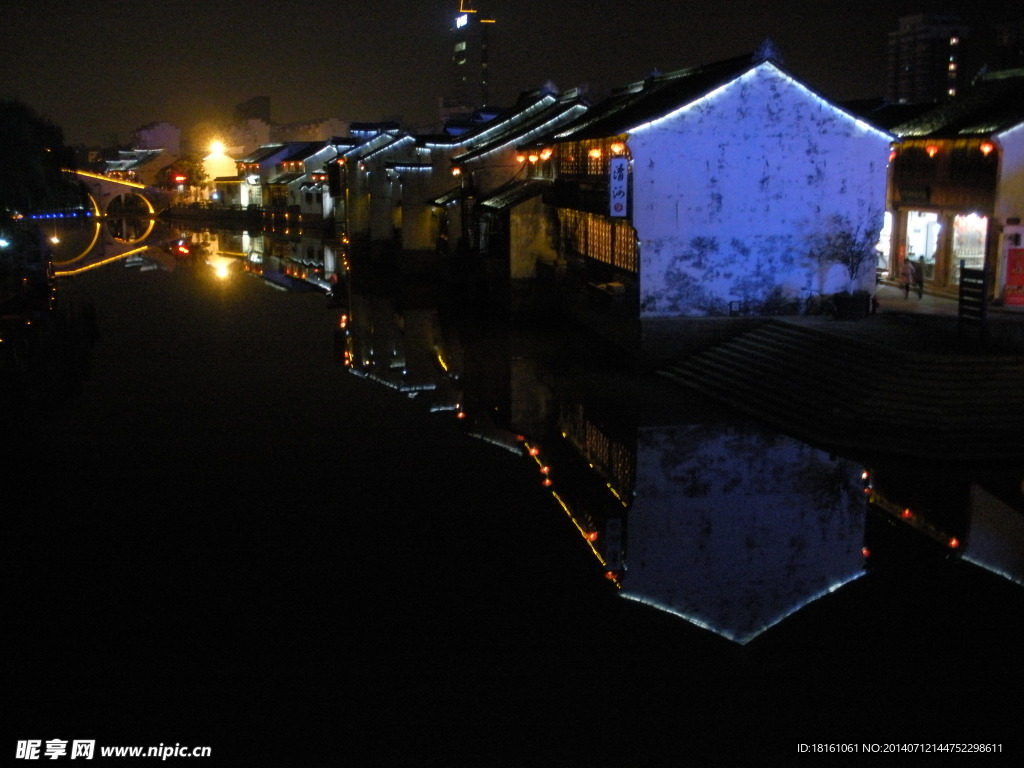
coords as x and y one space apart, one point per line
1010 185
727 191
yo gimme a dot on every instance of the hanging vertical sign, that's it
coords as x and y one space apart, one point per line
1014 292
618 186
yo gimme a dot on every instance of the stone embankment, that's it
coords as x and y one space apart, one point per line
835 385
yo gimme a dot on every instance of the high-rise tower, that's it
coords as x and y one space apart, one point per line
926 59
470 36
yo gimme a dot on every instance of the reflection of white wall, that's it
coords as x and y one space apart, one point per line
734 527
996 540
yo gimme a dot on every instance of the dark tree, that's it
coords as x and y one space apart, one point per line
32 162
188 165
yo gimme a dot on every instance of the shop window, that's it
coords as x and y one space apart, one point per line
923 229
969 234
884 245
600 238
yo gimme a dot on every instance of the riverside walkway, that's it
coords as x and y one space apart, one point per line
903 381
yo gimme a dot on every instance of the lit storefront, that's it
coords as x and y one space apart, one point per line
942 193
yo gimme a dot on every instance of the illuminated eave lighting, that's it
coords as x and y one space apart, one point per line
746 76
987 148
932 150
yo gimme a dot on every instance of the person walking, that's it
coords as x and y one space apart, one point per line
907 277
919 277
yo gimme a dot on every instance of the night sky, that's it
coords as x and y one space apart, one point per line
100 70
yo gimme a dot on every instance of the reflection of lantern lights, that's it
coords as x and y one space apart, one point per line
953 542
545 470
986 147
547 482
534 450
892 155
865 552
906 514
460 415
592 536
932 150
611 575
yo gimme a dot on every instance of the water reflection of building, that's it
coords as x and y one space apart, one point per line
727 524
397 340
730 526
954 513
296 263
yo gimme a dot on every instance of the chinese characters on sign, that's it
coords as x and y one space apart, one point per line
618 186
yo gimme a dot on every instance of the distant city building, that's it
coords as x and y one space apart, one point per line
470 63
926 59
159 135
310 130
244 137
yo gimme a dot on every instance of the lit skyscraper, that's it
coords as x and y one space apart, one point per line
926 59
470 66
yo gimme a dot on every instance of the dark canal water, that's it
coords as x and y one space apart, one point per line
389 529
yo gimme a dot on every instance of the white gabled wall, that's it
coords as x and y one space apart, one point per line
728 190
1009 201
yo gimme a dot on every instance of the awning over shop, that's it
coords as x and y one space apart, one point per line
512 194
451 196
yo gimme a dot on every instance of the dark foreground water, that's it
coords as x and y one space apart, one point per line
306 535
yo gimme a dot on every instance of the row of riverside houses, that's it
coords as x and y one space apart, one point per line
714 190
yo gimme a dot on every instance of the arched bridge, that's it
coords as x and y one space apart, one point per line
114 197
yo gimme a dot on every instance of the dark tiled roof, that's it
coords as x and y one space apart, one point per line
262 153
285 178
302 150
657 95
993 105
544 114
884 115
